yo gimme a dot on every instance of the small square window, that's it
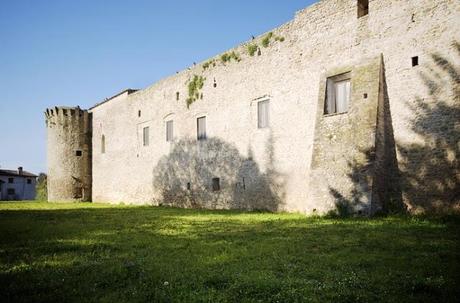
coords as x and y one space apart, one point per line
78 153
10 180
201 128
215 184
11 191
29 181
338 91
263 108
363 8
415 61
145 135
169 131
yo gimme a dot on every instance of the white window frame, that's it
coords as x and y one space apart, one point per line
332 106
199 135
145 136
169 133
263 114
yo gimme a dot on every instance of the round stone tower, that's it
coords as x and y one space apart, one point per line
69 131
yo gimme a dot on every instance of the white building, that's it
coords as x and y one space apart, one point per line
17 184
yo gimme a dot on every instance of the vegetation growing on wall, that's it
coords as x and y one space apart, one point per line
279 38
209 63
224 58
266 40
194 87
227 57
252 49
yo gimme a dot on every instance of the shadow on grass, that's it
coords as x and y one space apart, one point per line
170 255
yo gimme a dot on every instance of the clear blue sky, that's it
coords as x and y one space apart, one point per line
68 52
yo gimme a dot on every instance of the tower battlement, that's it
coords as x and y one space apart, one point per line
60 114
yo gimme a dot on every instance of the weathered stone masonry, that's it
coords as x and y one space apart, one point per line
395 147
69 154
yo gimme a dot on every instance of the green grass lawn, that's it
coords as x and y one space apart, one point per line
101 253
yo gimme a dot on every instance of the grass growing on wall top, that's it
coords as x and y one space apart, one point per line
96 252
227 57
266 39
252 49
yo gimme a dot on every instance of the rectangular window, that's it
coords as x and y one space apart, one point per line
78 153
338 94
363 8
10 180
263 108
145 136
169 131
11 191
103 144
201 128
29 181
215 184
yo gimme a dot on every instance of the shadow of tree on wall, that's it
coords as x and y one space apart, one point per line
374 173
184 178
427 170
431 167
357 200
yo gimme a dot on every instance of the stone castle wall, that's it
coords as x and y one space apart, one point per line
69 154
287 166
342 167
